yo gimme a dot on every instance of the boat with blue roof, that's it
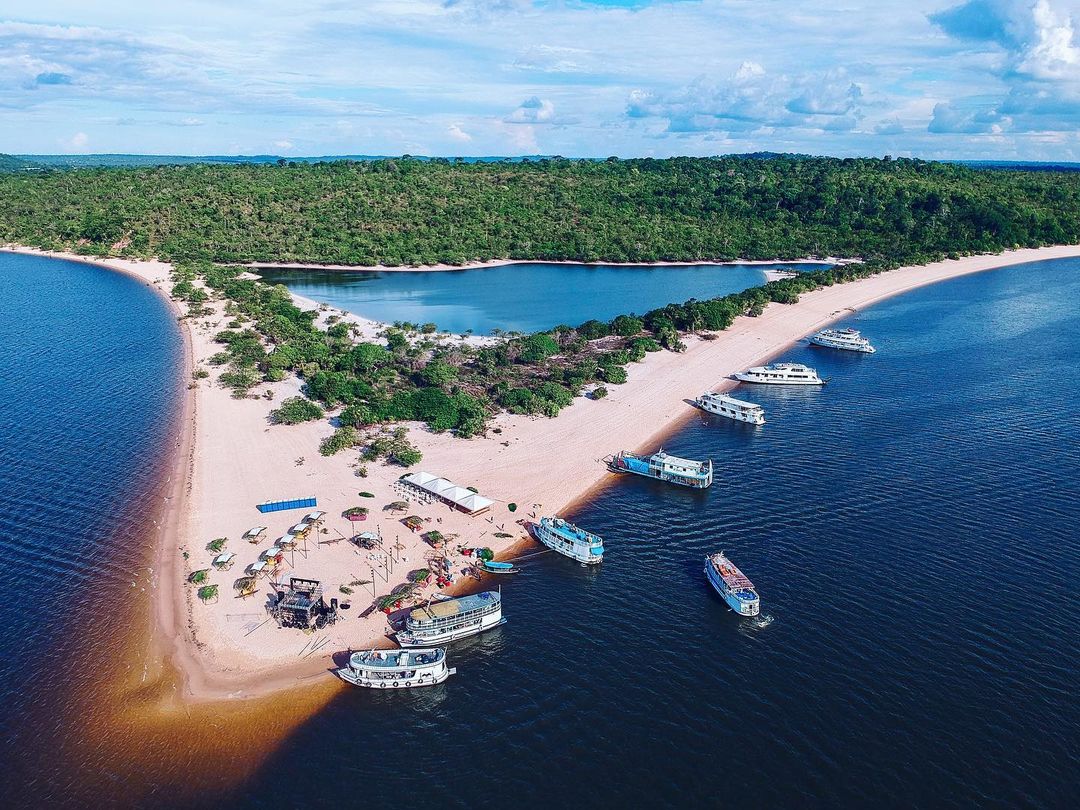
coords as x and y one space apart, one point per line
663 466
732 584
566 538
451 619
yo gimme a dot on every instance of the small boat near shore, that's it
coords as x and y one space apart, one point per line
732 584
662 466
451 619
567 539
493 567
781 374
737 409
396 669
849 340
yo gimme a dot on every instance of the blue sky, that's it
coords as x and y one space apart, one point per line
930 78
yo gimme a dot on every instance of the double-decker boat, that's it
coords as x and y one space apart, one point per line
664 467
450 619
849 340
568 539
732 584
732 408
781 374
396 669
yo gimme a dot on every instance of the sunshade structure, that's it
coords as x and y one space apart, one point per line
254 532
447 491
224 560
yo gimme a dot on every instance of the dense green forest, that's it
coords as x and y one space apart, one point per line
208 218
406 211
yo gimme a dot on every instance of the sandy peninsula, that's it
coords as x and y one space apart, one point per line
230 458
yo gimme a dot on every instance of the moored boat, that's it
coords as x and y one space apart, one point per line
781 374
849 340
493 567
732 584
451 619
566 538
737 409
664 467
396 669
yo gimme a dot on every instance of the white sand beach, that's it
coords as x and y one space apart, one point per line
230 458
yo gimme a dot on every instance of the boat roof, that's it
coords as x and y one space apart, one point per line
729 572
453 607
732 401
391 659
567 529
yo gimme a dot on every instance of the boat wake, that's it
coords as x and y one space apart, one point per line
759 622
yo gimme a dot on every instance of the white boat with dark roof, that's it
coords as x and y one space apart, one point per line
726 405
396 669
849 340
781 374
732 584
451 619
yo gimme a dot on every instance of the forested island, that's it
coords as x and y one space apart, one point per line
209 219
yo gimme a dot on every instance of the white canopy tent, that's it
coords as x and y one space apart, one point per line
464 499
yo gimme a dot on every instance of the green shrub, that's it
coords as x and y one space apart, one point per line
341 439
295 410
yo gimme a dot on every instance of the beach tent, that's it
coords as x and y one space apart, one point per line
258 567
254 532
464 499
311 517
284 540
271 552
223 560
299 528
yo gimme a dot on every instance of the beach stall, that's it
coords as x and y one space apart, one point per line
223 562
260 568
448 492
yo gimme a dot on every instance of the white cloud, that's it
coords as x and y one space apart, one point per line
456 133
78 142
284 145
532 110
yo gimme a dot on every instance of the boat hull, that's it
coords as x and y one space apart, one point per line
703 484
408 640
827 344
422 678
748 378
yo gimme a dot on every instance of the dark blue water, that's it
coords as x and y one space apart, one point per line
88 364
518 297
912 529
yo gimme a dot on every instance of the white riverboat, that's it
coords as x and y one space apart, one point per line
737 409
781 374
732 584
396 669
662 466
848 340
451 619
568 539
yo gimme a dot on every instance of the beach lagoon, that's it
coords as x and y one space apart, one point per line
520 297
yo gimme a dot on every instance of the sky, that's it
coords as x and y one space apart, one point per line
977 79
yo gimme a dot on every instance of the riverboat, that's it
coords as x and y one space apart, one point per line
732 584
662 466
451 619
781 374
568 539
396 669
725 405
849 340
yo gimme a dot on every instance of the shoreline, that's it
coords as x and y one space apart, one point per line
227 457
487 264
